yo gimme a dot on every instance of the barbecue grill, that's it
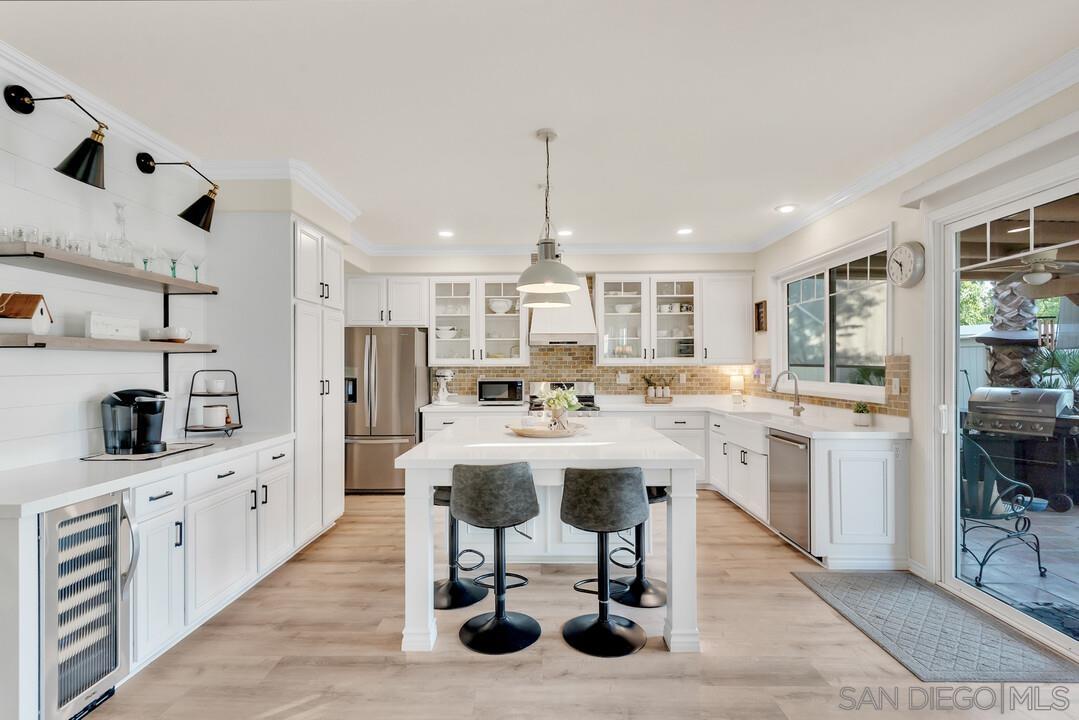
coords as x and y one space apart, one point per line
1029 412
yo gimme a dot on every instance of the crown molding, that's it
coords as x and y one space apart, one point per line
297 171
569 249
1055 77
41 80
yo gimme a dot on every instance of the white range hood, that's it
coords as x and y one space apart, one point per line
573 325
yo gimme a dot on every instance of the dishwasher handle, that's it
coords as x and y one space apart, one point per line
776 438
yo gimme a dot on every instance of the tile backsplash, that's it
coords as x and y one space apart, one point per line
578 363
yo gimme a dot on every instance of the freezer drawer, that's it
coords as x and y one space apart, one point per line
369 463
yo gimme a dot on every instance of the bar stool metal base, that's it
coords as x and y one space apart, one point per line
456 593
614 637
493 635
640 592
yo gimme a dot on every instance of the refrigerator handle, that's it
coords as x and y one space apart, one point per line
367 374
374 381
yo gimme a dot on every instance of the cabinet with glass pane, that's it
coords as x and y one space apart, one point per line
676 331
623 313
502 328
453 310
477 321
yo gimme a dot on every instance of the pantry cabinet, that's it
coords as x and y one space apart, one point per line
319 267
392 301
477 321
727 319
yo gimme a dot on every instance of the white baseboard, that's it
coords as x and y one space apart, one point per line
921 571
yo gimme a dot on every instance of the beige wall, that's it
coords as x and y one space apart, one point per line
285 196
910 337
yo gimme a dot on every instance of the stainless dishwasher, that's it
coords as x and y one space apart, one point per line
788 487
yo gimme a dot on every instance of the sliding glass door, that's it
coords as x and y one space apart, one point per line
1013 456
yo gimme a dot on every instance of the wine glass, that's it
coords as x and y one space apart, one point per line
196 258
174 256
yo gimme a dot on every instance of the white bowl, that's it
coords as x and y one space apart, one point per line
623 308
445 333
500 305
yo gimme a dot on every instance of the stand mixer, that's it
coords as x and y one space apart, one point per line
444 376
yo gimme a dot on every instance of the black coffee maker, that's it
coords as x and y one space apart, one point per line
132 422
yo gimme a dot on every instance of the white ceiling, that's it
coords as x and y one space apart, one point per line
670 112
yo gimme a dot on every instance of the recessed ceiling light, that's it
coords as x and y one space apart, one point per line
685 231
786 209
1022 229
565 233
445 233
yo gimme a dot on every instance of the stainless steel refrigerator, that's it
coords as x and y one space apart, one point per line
386 384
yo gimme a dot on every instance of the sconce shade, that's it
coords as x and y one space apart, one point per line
201 212
86 163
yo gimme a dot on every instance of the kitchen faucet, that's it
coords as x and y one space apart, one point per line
796 408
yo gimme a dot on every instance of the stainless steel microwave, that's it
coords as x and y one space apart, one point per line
500 392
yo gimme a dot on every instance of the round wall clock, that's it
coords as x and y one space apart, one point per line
906 264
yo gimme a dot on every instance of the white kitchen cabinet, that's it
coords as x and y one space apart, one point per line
333 417
319 268
472 332
159 584
623 319
310 390
275 517
222 547
675 320
748 480
861 486
695 441
365 301
396 301
727 319
718 457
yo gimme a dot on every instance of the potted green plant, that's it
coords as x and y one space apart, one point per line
862 416
558 402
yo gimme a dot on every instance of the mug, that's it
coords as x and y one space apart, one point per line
216 386
214 415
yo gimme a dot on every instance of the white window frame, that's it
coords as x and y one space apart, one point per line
875 242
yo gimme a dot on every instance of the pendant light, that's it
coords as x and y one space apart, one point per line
86 163
545 300
199 213
548 275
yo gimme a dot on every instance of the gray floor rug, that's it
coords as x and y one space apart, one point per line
936 636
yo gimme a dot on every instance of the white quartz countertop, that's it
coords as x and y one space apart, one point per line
604 442
39 488
817 422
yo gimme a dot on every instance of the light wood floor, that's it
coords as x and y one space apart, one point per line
320 639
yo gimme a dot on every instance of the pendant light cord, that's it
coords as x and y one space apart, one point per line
547 191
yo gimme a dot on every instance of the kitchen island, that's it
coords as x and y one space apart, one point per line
603 443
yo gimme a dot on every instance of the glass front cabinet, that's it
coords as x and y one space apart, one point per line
477 321
643 320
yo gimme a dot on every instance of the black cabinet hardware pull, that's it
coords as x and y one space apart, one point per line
389 315
225 475
706 353
254 499
327 387
265 494
278 456
162 496
717 425
679 422
179 534
327 291
448 422
321 290
724 448
653 353
381 315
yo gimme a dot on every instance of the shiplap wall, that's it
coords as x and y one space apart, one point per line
50 399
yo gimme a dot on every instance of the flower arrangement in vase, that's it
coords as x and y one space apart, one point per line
558 403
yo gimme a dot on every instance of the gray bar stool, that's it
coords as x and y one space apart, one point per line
496 497
639 591
603 501
455 592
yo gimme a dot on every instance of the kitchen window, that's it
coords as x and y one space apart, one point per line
836 321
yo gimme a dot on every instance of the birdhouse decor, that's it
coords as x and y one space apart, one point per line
24 313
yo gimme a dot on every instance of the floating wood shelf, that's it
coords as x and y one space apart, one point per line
62 262
61 342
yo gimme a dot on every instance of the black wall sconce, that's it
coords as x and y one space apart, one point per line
86 163
201 212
